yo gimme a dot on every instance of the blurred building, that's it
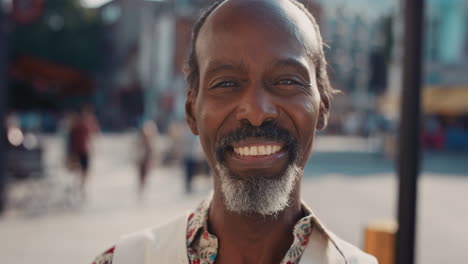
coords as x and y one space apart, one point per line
446 35
120 94
359 38
445 98
445 81
446 51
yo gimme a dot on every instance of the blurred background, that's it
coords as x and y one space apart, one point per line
94 143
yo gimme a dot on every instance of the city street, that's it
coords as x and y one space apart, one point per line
346 189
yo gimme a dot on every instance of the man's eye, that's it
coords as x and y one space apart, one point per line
225 84
288 82
289 86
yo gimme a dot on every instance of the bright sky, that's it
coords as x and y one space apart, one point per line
94 3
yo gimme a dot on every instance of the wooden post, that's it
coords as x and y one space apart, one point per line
380 240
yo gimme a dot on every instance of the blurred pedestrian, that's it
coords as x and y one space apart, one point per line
145 153
84 126
64 131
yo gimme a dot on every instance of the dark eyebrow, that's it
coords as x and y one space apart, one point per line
217 66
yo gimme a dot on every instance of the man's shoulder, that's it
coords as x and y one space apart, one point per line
326 247
158 232
162 242
352 254
324 244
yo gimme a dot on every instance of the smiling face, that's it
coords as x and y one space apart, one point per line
257 104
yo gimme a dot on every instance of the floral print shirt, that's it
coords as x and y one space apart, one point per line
106 257
202 247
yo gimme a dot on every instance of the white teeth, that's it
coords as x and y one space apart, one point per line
261 150
257 150
253 151
268 150
246 150
238 151
275 149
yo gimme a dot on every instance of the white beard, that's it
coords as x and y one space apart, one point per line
258 195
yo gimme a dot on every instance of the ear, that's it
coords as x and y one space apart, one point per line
189 112
323 112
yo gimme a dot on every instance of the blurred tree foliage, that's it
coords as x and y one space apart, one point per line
66 33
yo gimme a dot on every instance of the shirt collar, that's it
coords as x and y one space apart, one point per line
316 223
198 220
198 223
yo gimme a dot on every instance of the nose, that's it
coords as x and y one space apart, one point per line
256 106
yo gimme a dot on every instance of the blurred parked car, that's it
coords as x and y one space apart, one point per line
23 152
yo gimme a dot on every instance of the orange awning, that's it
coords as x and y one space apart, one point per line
449 100
62 79
445 100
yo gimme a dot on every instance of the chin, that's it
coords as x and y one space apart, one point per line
258 192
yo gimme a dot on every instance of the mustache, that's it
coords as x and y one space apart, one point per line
268 130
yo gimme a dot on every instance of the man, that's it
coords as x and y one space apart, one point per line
258 90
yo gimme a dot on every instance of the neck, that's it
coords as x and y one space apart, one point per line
253 238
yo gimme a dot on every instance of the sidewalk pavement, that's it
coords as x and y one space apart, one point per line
345 204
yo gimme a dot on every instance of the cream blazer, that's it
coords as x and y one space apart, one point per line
167 244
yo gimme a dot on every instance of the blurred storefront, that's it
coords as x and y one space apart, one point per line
445 93
359 43
50 70
47 80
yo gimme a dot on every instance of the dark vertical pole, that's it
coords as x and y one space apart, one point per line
3 92
409 147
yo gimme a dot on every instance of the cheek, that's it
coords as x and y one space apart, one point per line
210 115
210 118
205 123
312 103
310 107
307 118
304 113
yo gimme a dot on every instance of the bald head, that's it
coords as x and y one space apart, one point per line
282 16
